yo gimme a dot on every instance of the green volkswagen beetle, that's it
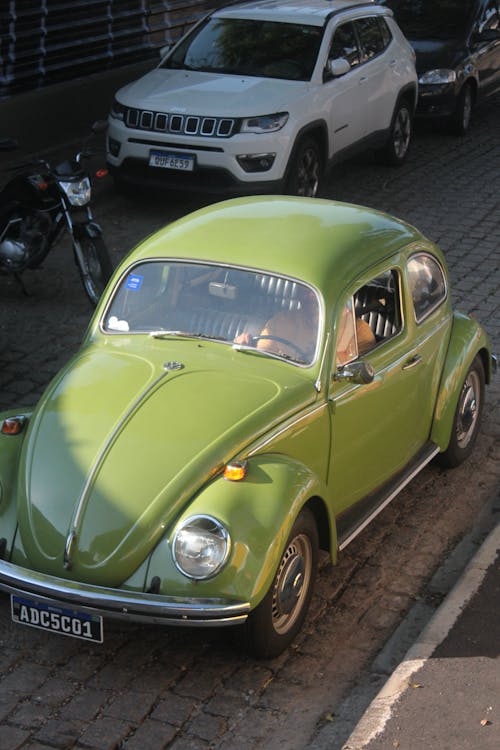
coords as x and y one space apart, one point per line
259 380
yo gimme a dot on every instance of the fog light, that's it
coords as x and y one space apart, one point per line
256 162
114 147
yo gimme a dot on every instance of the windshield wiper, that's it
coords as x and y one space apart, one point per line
161 334
264 353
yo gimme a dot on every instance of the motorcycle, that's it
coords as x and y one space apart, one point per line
38 204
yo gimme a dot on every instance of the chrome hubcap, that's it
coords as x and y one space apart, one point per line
468 411
292 583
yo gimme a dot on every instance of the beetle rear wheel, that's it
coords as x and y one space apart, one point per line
273 625
467 419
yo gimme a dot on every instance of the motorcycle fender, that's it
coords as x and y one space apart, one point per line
258 512
89 229
467 340
10 451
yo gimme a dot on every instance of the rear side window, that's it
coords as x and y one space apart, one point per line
373 41
427 285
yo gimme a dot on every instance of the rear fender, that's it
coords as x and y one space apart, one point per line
10 451
467 339
259 512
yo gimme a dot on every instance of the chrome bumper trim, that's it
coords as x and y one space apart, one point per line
121 604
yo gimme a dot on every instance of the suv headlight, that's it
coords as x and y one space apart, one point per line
439 76
78 193
200 547
264 123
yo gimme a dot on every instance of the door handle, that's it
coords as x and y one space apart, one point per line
392 63
412 362
363 79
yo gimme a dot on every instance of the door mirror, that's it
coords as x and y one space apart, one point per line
359 372
338 67
165 50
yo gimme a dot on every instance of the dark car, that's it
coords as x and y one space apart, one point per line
458 54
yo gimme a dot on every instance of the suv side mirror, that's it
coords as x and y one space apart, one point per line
338 67
165 50
359 372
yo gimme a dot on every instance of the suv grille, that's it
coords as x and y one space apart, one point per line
162 122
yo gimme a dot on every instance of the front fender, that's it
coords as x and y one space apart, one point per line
90 229
258 512
467 339
10 451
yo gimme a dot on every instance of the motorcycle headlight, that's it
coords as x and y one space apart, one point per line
439 76
264 123
78 193
200 547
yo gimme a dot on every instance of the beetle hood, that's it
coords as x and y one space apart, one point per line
119 445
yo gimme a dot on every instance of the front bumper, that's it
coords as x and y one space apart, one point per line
120 604
437 100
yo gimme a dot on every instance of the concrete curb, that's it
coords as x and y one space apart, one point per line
378 713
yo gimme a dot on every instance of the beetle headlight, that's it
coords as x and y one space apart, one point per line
442 75
200 547
78 192
264 123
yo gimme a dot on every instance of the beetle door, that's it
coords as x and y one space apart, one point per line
377 427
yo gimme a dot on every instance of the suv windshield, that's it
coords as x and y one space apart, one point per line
250 310
249 48
428 19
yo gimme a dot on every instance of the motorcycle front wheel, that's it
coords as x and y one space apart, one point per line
94 266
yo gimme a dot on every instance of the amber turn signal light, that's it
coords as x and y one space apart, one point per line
235 471
13 425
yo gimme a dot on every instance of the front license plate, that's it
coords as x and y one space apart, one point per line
56 619
166 160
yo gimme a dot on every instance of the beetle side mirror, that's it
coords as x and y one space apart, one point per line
360 373
338 67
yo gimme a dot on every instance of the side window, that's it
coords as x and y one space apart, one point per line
344 44
370 317
427 284
385 31
370 36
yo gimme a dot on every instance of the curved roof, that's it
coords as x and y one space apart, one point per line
310 239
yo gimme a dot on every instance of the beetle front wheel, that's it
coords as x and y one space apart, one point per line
275 622
467 419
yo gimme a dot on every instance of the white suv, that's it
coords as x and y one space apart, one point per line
264 96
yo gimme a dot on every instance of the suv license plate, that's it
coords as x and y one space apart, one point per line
56 619
165 160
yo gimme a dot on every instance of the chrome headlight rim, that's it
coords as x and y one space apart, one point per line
224 536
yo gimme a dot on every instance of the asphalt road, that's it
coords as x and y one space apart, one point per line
170 688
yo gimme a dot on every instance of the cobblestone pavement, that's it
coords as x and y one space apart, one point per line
169 688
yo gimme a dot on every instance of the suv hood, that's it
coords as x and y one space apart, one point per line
118 446
209 94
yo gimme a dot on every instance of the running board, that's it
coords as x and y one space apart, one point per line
352 522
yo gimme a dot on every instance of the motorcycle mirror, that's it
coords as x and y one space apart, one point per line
99 126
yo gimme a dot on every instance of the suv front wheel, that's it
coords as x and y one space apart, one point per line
305 170
398 143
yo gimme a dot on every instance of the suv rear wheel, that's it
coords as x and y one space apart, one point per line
398 144
305 171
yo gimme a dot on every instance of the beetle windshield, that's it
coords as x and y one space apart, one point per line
250 310
248 47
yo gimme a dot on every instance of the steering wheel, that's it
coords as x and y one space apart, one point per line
281 340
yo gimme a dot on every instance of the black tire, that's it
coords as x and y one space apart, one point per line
398 144
97 267
275 622
467 419
461 118
305 171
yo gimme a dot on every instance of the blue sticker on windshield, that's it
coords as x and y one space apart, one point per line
134 282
